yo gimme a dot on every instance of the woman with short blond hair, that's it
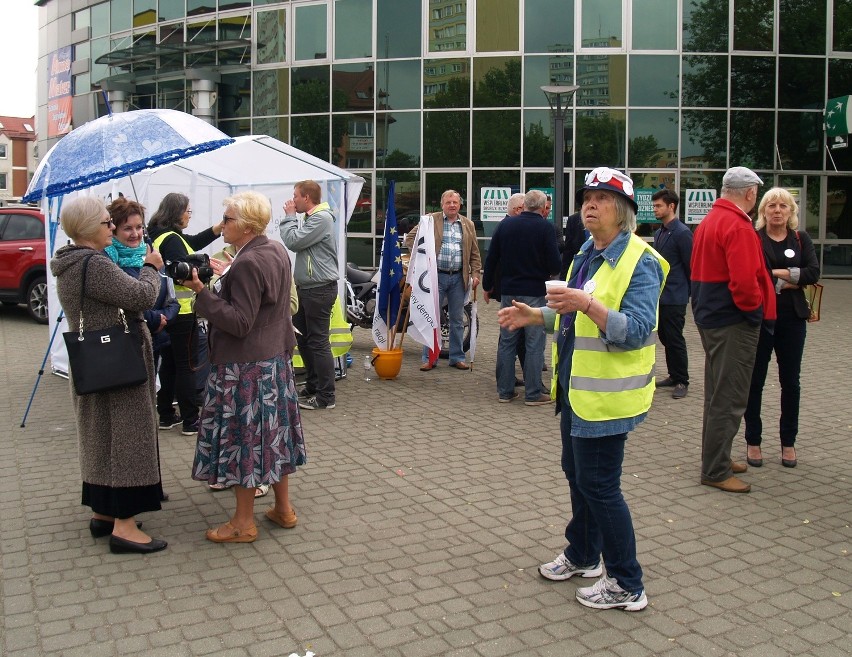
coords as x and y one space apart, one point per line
792 262
251 431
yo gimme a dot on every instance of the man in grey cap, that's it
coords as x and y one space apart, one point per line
732 294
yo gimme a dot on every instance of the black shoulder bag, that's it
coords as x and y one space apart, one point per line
107 359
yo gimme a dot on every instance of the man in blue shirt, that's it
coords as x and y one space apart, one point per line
673 240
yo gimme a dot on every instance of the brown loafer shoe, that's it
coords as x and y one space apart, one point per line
729 485
461 365
227 533
738 468
285 520
425 367
541 401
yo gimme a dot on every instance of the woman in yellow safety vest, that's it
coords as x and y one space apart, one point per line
180 362
605 322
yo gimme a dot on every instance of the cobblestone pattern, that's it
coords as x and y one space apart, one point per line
424 510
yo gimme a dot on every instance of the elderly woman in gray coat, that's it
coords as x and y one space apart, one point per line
116 430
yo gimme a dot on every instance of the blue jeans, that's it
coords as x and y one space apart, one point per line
600 521
451 288
507 349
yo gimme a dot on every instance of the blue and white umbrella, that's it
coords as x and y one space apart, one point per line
119 145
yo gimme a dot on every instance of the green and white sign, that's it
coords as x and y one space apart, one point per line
493 206
698 203
646 205
838 116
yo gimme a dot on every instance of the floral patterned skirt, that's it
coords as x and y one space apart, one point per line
251 430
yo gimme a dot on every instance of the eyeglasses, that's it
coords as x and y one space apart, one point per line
109 222
226 218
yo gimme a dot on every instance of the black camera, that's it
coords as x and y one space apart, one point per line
181 268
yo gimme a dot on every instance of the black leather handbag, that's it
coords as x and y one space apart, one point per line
106 359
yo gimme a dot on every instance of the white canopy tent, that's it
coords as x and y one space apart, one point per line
259 163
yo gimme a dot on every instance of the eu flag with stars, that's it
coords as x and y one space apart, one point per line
391 265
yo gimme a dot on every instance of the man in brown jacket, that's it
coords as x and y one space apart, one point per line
459 266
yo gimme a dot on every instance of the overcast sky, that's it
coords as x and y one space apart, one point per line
18 58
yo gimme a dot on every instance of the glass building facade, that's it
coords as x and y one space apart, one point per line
439 94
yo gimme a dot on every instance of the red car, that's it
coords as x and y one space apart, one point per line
23 261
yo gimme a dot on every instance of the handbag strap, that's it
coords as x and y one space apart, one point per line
121 316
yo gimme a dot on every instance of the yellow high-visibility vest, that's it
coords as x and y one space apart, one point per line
339 335
609 382
185 297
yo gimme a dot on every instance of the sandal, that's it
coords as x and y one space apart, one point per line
285 520
231 534
261 490
216 487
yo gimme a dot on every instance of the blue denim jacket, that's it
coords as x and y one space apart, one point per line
628 327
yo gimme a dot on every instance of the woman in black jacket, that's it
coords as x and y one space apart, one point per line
179 364
793 263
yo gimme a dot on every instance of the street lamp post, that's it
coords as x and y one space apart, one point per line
559 99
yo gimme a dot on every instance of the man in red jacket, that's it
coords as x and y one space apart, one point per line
731 295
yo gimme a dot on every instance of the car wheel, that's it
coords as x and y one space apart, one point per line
37 300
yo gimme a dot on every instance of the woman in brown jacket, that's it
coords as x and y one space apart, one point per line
116 430
251 430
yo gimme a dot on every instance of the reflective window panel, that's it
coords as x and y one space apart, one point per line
447 25
353 28
353 87
497 82
705 26
752 81
541 70
497 138
271 36
654 80
801 83
802 27
493 21
704 139
800 139
446 83
652 139
311 31
541 34
601 24
654 24
399 85
310 90
538 138
398 28
446 139
397 139
271 93
600 138
310 134
602 80
277 127
705 81
752 139
754 21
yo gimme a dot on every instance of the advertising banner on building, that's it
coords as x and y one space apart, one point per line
493 205
698 204
646 205
59 92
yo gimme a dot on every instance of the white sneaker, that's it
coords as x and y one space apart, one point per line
561 569
607 594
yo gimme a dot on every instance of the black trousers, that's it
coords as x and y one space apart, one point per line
312 321
670 330
788 343
178 370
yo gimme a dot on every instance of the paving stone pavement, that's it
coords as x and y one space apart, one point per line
424 510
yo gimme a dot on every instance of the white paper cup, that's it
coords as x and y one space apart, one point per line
555 285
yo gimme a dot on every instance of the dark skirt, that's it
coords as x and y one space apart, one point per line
251 430
122 502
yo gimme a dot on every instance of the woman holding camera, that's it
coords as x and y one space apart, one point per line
116 430
177 371
251 430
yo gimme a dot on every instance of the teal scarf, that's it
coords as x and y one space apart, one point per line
126 256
